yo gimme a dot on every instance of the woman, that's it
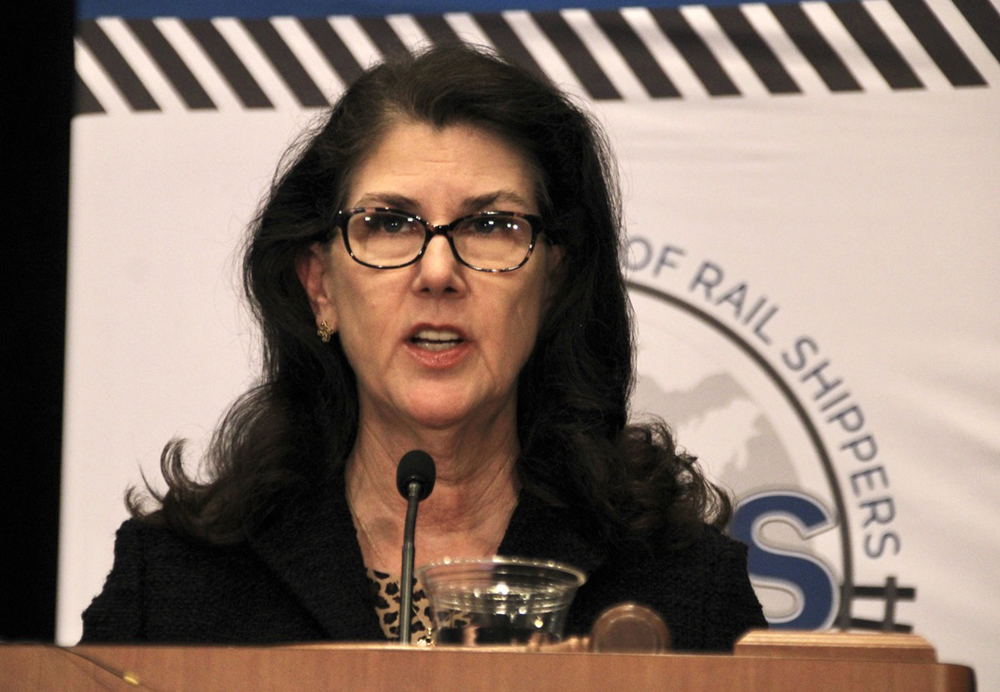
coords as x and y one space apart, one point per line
438 269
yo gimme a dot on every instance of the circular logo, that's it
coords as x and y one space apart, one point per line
770 423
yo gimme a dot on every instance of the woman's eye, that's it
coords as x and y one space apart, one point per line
484 224
389 223
492 225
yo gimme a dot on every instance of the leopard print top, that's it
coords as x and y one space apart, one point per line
387 595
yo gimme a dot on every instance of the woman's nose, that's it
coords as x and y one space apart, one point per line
440 271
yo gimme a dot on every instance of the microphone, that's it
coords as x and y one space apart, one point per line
416 466
415 481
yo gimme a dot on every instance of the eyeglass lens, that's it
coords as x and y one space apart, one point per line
494 241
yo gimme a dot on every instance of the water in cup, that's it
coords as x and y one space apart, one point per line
499 600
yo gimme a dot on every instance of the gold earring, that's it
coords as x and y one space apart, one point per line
325 331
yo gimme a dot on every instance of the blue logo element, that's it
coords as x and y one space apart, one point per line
809 581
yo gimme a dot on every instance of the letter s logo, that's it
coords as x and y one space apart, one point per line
809 581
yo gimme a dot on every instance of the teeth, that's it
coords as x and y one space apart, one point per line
435 345
436 339
437 335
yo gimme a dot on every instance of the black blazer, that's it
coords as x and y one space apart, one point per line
301 577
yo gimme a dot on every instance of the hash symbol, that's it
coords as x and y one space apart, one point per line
891 593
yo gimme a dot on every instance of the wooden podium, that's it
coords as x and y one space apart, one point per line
764 661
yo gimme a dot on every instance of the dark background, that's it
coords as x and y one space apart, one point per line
36 75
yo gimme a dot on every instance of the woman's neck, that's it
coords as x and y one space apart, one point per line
465 516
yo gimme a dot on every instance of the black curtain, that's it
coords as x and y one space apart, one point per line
36 103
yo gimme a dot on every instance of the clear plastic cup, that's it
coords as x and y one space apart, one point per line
499 601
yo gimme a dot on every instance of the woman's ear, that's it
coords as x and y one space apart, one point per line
313 268
555 258
554 270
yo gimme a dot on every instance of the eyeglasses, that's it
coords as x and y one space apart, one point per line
488 241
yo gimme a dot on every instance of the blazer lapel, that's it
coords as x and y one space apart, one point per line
547 533
311 544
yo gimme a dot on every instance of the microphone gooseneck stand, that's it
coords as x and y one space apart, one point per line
415 481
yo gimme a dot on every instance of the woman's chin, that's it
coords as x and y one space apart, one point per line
444 411
440 417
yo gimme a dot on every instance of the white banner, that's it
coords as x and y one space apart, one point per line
811 194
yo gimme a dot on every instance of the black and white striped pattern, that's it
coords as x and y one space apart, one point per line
170 64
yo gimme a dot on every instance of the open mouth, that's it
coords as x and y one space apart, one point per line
436 339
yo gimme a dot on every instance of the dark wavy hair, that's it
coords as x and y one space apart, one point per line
578 449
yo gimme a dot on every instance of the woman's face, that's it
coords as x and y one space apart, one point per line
436 343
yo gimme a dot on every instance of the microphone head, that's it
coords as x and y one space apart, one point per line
415 466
